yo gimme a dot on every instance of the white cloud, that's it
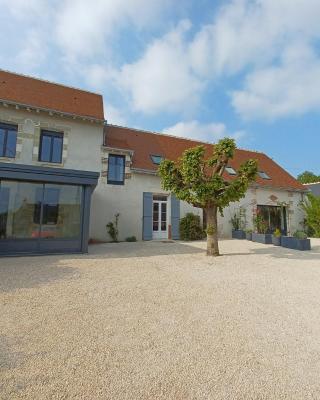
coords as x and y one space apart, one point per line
114 115
86 28
210 132
162 80
253 33
277 91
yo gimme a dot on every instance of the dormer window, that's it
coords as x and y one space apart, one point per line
231 171
263 175
156 159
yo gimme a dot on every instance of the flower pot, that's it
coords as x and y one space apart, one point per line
249 235
295 243
264 238
238 234
276 240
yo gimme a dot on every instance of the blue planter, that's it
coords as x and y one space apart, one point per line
295 243
264 238
238 234
276 240
249 235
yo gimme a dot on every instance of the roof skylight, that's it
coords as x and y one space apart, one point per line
263 175
231 171
156 159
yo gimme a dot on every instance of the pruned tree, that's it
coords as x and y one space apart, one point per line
199 181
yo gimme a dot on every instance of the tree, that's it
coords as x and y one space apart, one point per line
308 177
311 207
198 180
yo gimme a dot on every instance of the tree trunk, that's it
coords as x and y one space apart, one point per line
212 232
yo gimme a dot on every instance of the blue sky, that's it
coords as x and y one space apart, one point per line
195 68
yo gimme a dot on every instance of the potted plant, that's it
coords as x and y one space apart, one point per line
260 235
238 223
299 241
249 234
276 237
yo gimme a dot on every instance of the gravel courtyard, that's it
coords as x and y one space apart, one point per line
162 321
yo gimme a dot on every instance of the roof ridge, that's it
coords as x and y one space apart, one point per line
50 82
176 137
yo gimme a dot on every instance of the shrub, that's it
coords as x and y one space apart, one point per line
238 221
277 233
311 207
131 239
190 227
112 228
300 235
260 224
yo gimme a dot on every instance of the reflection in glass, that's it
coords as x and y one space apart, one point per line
17 206
36 210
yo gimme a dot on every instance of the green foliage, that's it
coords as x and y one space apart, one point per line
249 230
131 239
112 228
260 224
311 207
238 221
308 177
190 227
300 235
277 233
198 180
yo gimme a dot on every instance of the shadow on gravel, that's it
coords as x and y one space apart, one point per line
281 252
141 249
31 272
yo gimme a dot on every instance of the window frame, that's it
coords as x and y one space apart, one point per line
111 181
158 156
8 127
264 175
52 135
234 173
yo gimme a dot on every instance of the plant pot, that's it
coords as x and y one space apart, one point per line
249 235
238 234
276 240
295 243
264 238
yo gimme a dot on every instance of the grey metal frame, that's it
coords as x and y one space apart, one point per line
87 179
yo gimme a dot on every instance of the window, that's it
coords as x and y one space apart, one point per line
274 217
51 144
49 199
263 175
231 171
8 140
31 210
156 159
116 165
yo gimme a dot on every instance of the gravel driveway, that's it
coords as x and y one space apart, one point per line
162 321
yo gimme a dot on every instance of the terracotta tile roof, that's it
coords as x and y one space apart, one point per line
145 144
34 92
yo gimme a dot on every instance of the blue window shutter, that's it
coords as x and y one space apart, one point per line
147 216
175 217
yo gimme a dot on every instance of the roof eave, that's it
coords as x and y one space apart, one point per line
52 112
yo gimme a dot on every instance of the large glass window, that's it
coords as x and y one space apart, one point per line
274 217
36 210
8 140
18 201
116 166
51 144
